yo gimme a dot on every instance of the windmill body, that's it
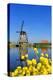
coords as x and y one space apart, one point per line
23 42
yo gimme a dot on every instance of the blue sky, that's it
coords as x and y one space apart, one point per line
37 22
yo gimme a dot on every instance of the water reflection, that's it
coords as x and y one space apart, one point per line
14 56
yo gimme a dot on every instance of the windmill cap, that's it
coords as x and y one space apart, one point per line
23 32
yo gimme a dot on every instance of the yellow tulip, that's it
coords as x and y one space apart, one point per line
45 72
16 72
30 68
36 50
49 68
26 55
42 54
34 62
41 59
29 62
27 73
19 71
39 66
23 72
45 61
35 69
46 55
25 68
22 57
12 74
19 68
42 67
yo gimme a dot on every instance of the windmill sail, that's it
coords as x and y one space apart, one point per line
22 25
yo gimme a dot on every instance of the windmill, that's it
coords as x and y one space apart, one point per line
23 41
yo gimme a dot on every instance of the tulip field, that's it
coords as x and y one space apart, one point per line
34 66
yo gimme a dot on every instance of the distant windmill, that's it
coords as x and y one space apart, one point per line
23 41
